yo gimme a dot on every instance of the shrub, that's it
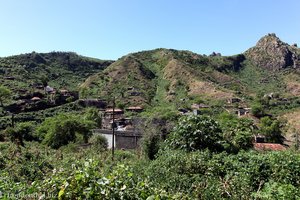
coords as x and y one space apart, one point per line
2 136
99 142
150 144
93 114
238 132
258 110
154 132
60 130
5 94
274 190
122 155
150 140
271 128
196 133
22 131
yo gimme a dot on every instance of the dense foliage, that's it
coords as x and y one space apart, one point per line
68 173
202 132
237 132
63 129
23 131
271 128
196 133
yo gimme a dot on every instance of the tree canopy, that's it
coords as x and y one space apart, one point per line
63 129
196 133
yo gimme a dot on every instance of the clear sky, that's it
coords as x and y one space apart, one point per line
109 29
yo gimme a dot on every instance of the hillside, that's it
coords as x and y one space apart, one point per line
168 80
27 75
60 69
175 79
165 76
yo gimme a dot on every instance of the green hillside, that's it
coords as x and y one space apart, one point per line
165 80
165 76
27 75
60 69
174 79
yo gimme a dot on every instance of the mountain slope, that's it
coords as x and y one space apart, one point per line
61 69
167 77
163 80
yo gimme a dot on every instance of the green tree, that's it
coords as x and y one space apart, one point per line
44 79
271 128
155 130
5 94
93 114
258 110
196 133
83 92
22 131
62 129
151 139
238 132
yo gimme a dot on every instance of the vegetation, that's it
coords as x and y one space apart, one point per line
4 94
194 145
237 132
63 129
99 143
23 131
272 129
196 133
175 174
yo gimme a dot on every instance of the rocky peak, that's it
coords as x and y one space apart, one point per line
273 54
269 40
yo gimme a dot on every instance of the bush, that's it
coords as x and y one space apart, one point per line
122 155
22 131
258 110
196 133
99 142
274 190
5 94
2 136
93 114
206 175
271 128
238 132
62 129
151 139
150 144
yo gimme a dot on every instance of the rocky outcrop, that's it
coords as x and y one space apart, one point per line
273 54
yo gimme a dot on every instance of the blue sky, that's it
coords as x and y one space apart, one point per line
109 29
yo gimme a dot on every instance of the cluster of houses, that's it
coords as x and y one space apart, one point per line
126 134
117 115
197 108
41 98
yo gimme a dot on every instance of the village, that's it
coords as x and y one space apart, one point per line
127 135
